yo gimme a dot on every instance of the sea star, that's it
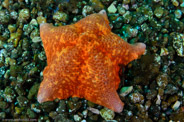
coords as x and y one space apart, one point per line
83 61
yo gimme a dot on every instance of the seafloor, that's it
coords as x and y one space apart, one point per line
151 87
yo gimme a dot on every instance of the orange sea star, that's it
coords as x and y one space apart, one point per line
83 59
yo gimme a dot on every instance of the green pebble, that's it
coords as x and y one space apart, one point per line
178 43
30 113
34 33
24 15
9 94
96 5
159 12
113 17
125 90
112 9
121 10
14 54
107 114
28 29
33 91
15 70
126 1
118 22
20 91
178 14
53 114
13 15
25 44
4 17
22 101
3 105
62 107
127 17
33 71
175 2
2 115
60 16
48 106
11 28
18 110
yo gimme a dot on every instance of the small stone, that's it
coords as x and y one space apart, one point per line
162 80
121 10
171 89
112 9
35 33
62 107
48 106
178 43
9 94
125 90
24 15
35 108
175 2
158 101
42 56
15 70
178 14
6 4
41 20
77 118
182 5
93 110
11 28
147 104
14 54
87 10
136 98
33 91
13 15
53 114
85 113
164 52
176 105
126 1
20 91
4 17
156 1
2 115
127 17
3 105
107 114
22 101
34 22
96 5
159 12
30 113
60 16
164 105
25 44
28 28
18 110
36 39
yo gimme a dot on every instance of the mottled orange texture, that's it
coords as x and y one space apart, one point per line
83 61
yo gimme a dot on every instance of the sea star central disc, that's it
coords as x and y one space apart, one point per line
83 59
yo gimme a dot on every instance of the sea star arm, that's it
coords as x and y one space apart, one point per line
60 76
56 38
119 50
100 80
